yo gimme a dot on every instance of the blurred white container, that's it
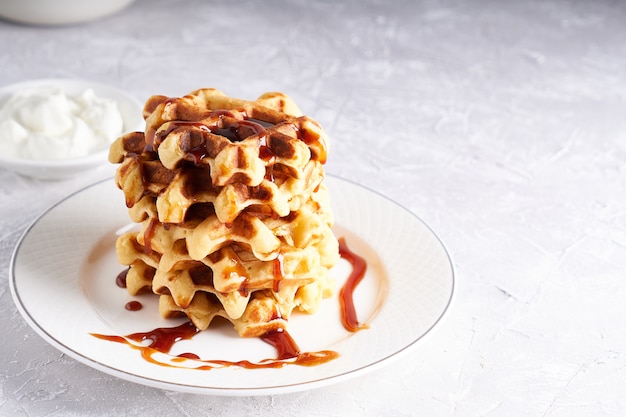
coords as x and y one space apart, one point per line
58 12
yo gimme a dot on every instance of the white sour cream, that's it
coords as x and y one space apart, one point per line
45 123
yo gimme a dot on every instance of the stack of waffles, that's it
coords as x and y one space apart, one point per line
233 215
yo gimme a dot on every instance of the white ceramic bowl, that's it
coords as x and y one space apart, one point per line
59 12
130 109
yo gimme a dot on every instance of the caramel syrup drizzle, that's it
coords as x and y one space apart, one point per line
346 295
163 339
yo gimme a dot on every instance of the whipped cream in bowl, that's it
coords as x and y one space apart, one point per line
52 129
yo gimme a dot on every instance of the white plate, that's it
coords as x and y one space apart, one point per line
129 107
63 281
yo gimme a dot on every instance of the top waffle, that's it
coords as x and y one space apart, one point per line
259 153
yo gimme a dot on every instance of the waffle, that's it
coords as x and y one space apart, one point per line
233 215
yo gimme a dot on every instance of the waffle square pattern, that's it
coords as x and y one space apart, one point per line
234 217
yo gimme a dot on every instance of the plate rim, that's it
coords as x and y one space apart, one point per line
229 391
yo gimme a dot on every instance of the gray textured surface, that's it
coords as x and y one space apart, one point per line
501 124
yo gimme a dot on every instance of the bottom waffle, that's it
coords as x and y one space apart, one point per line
266 310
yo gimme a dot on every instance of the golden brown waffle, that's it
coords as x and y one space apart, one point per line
235 218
